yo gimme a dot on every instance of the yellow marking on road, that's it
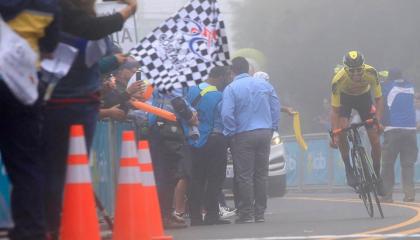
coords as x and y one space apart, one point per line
408 222
416 218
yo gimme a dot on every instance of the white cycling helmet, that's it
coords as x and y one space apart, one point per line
262 75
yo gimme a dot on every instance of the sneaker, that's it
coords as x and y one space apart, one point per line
351 179
178 217
226 212
408 199
259 219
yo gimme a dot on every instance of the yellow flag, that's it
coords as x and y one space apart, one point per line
298 132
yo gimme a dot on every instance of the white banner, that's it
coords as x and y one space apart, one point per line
128 37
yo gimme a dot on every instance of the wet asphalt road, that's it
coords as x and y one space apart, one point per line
318 216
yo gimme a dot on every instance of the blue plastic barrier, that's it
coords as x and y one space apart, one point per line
319 166
322 166
5 217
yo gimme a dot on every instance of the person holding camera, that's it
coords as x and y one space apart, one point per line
116 94
169 150
209 150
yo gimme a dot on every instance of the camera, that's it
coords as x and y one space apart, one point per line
181 108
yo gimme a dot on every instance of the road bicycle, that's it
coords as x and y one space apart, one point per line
362 166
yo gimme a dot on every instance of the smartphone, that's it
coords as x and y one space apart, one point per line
138 76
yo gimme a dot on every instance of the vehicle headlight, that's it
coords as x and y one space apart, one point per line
275 140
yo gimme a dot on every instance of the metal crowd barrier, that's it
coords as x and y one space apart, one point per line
318 167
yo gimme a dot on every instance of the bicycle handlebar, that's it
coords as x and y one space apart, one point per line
353 126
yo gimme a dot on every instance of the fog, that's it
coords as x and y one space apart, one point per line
303 40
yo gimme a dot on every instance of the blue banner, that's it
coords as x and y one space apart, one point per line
338 168
292 156
315 162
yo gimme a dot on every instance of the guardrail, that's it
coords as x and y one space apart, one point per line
318 167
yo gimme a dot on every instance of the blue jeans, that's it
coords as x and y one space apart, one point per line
56 133
20 145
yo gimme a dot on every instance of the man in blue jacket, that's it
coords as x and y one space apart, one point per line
209 151
250 114
400 135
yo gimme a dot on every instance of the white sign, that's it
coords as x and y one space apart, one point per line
18 65
128 37
64 56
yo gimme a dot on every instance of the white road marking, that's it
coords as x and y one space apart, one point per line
350 236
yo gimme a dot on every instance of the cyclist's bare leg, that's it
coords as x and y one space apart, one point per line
375 143
343 145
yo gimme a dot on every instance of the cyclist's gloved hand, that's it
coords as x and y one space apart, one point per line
334 141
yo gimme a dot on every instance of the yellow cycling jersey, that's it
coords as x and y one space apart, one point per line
341 83
31 26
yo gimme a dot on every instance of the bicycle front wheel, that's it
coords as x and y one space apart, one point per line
365 185
372 178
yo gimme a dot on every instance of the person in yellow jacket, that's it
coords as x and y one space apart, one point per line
35 22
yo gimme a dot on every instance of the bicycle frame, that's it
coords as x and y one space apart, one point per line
362 165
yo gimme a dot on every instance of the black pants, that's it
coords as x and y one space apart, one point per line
170 159
208 174
56 133
20 145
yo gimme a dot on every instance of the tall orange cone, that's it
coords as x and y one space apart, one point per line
130 220
150 192
79 219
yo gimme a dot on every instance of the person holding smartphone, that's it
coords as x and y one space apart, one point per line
76 98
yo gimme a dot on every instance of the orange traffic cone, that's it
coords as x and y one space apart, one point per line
150 193
79 219
130 220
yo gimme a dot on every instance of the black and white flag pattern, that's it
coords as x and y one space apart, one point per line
183 49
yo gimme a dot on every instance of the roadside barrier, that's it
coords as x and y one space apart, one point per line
319 167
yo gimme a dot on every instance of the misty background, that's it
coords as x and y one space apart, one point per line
303 40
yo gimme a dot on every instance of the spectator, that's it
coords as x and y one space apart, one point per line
76 97
20 140
113 60
115 89
265 76
417 106
170 156
209 151
250 114
400 135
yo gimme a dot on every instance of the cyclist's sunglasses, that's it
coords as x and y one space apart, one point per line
357 70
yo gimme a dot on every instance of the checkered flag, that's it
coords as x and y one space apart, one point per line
182 50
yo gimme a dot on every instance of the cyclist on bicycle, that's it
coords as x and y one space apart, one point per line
351 89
